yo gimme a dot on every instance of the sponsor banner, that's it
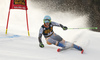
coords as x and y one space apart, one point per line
18 4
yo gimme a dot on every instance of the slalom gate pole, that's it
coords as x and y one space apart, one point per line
85 28
27 23
7 22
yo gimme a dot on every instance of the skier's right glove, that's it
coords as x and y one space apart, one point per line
65 28
41 45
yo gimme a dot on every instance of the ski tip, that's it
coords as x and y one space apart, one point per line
58 50
82 51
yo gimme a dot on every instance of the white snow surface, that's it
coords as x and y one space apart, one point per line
16 45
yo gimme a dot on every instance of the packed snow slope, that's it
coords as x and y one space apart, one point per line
16 45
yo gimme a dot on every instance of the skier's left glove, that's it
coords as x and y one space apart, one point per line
65 28
41 45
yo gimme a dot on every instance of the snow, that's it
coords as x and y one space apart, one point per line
26 48
16 45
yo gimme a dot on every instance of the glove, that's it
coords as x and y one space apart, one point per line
41 45
65 28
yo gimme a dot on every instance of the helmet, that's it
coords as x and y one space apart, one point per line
47 19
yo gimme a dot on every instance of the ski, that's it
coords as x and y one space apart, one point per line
82 51
59 50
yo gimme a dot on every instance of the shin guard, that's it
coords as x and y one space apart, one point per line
61 45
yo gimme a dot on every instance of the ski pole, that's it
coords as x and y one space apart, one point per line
85 28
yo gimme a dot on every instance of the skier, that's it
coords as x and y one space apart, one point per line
52 38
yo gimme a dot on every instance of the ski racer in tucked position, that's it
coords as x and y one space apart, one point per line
52 38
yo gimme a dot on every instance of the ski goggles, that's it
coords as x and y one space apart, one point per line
47 21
